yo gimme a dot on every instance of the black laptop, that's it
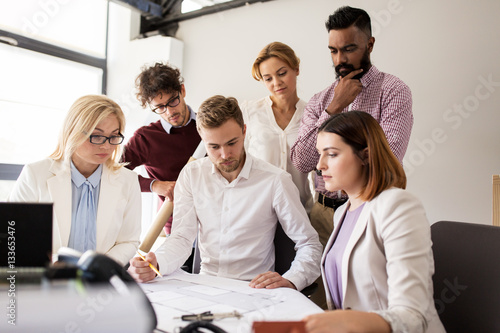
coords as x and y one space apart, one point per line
25 237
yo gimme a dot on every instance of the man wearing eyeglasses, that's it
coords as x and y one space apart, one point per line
162 147
236 202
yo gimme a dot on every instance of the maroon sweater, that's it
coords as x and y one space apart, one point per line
163 155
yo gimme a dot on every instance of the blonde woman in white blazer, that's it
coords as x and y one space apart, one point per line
378 263
89 146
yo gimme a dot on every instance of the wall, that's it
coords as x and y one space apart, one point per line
125 59
446 51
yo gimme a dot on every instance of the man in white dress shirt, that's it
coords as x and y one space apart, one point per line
235 201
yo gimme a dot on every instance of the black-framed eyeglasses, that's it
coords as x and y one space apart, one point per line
101 139
159 109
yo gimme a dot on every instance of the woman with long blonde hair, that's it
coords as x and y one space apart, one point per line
97 202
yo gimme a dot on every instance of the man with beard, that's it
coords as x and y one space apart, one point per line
359 86
235 201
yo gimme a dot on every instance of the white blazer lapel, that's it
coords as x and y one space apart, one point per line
59 188
106 209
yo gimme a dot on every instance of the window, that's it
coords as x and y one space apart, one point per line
78 25
53 52
36 90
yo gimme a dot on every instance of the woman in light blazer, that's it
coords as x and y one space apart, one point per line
97 202
378 263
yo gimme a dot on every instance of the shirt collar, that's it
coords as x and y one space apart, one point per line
245 171
78 179
168 126
368 78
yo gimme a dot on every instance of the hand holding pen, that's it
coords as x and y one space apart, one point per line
150 265
143 268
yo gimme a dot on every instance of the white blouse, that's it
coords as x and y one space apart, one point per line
267 141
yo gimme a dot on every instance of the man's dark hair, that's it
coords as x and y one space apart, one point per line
346 16
156 79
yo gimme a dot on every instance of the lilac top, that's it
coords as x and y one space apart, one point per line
333 260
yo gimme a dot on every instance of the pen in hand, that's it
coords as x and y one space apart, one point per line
150 265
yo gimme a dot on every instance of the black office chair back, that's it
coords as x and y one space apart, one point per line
284 249
467 276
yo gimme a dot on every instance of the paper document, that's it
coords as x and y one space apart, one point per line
182 293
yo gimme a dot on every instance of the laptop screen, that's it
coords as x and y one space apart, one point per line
25 234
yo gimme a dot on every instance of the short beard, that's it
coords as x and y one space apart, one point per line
227 169
365 65
233 167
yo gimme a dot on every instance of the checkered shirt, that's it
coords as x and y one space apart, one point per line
384 96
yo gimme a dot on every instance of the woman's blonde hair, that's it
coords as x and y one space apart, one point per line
360 130
81 120
278 50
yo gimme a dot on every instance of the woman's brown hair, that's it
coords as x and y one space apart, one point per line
360 130
278 50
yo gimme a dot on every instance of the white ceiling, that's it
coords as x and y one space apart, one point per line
190 5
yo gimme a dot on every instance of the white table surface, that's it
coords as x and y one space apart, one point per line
181 293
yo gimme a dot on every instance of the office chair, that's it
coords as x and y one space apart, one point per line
196 258
496 200
284 249
467 276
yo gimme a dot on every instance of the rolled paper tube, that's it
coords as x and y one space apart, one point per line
166 209
159 222
155 229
